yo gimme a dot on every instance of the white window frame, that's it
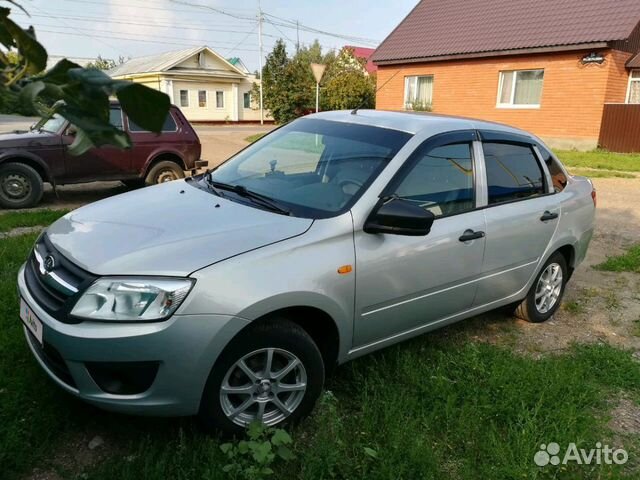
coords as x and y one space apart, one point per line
206 98
188 99
407 104
223 99
631 81
511 103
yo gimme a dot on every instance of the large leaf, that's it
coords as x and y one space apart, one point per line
28 46
59 74
145 106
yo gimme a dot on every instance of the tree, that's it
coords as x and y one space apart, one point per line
102 63
347 84
78 94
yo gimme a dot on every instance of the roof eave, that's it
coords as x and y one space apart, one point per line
496 53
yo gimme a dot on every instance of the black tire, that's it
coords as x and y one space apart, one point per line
165 171
276 333
20 186
528 309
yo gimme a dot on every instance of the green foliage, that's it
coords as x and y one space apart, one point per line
627 262
421 107
600 159
252 459
101 63
347 85
79 95
595 173
254 138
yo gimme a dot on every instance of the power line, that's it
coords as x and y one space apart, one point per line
229 52
213 9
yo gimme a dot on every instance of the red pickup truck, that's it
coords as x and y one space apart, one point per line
28 159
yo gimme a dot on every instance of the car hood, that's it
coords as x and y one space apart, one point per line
169 229
21 138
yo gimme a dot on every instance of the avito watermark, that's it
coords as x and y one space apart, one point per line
550 454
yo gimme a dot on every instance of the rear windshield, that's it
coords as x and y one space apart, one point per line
316 168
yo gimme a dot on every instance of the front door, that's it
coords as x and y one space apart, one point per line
404 283
105 162
522 215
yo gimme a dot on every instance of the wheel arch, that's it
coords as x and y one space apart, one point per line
31 160
157 157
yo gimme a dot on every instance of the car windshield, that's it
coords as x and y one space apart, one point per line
53 125
313 168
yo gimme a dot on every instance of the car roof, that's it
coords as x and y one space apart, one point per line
415 123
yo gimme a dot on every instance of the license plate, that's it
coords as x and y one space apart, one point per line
30 320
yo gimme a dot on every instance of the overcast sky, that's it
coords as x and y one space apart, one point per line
132 28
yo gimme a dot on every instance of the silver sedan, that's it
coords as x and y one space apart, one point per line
232 294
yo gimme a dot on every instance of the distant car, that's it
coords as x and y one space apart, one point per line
231 293
28 159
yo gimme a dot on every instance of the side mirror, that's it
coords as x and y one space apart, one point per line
399 217
72 131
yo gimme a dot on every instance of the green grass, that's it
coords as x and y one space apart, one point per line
11 220
254 138
600 173
627 262
600 159
439 406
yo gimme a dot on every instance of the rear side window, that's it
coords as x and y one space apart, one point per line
115 117
513 172
558 177
441 181
168 126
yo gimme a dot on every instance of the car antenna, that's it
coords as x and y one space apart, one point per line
355 110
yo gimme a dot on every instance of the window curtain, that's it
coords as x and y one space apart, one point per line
424 93
528 88
634 88
507 86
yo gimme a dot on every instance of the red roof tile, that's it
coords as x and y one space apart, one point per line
365 53
452 27
634 62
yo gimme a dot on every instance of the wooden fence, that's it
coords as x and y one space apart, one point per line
620 131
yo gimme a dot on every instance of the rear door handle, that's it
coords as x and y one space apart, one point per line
469 235
548 216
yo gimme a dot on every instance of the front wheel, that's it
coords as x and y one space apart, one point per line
545 296
20 186
272 373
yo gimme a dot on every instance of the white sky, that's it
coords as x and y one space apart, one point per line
132 28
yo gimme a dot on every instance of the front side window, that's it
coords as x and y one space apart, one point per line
202 98
634 87
184 98
219 99
418 92
521 88
513 172
441 181
316 168
247 100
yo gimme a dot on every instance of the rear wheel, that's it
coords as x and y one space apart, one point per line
545 296
20 186
272 373
165 171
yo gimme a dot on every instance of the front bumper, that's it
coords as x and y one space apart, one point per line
185 348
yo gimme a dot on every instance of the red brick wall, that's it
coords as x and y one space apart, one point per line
573 94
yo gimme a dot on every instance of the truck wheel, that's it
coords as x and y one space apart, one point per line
20 186
272 373
164 171
545 296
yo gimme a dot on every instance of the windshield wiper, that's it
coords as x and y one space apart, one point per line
263 200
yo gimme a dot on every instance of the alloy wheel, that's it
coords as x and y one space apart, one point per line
549 288
266 385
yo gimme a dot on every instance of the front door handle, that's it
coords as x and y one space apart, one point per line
469 235
548 216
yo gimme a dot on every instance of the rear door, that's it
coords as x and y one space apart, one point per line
522 214
404 283
105 162
147 144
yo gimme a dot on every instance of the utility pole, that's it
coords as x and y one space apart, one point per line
260 62
297 36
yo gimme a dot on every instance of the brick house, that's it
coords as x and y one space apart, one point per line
545 66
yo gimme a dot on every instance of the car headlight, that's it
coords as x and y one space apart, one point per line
132 299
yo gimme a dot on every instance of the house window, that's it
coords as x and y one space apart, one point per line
184 98
219 99
418 92
633 96
520 89
247 100
202 98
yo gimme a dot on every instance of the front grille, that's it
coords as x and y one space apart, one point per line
53 360
53 281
